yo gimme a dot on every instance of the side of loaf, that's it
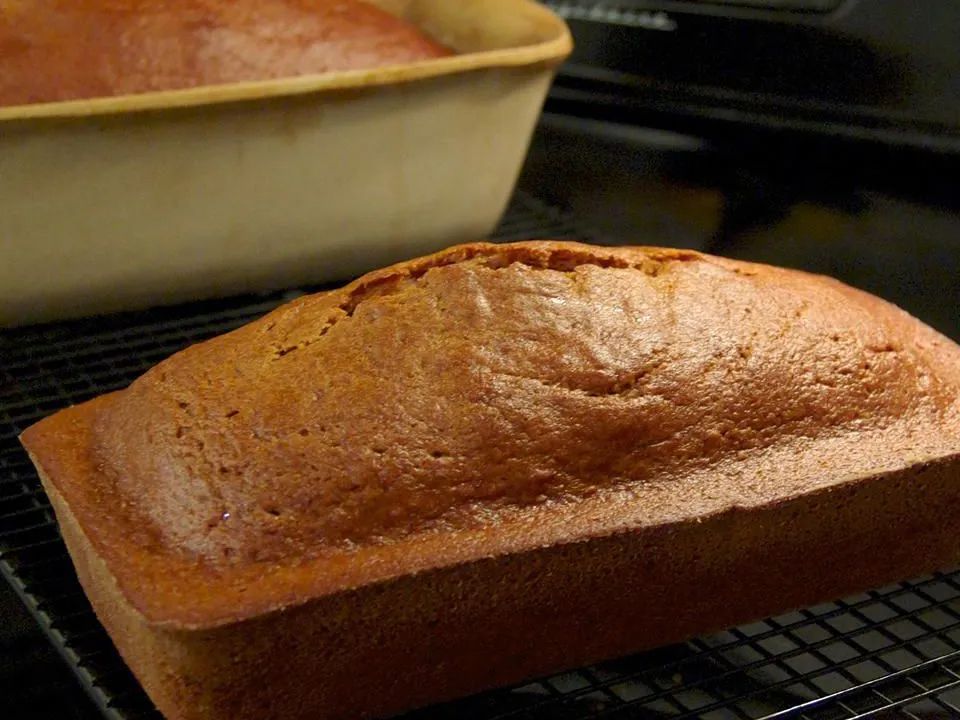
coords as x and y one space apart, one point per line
498 462
80 49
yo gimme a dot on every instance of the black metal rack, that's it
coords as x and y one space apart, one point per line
893 652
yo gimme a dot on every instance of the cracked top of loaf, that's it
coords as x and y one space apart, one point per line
54 50
483 401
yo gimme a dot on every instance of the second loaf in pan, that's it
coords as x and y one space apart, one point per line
57 50
497 462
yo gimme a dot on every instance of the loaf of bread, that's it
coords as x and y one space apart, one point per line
496 462
77 49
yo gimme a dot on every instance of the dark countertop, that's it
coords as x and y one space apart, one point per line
885 224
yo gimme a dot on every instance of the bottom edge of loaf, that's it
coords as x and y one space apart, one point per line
383 649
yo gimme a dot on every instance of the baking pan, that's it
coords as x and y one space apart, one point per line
138 200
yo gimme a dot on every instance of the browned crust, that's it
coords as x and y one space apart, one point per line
389 628
59 51
152 654
419 639
176 593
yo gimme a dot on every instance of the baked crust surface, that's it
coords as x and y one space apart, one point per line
548 453
484 401
55 50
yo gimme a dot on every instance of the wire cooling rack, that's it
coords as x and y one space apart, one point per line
893 652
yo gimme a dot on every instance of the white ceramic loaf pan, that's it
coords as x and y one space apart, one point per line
140 200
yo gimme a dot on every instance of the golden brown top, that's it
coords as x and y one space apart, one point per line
54 50
489 399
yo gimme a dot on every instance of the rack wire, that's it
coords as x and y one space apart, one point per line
892 652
